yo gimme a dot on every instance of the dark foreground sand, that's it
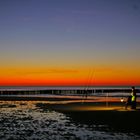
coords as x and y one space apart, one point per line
112 114
95 111
37 120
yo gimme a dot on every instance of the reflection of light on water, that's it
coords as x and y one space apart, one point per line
26 121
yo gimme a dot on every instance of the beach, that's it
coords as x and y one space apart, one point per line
65 118
111 113
69 70
67 114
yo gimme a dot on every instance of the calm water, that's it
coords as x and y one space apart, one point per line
34 90
24 121
61 87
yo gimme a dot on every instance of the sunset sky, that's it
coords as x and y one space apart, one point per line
69 42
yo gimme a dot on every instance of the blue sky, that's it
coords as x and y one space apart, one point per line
70 34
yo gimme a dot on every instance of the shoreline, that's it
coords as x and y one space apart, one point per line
75 103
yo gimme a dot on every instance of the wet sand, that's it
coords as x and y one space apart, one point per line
89 111
40 120
112 114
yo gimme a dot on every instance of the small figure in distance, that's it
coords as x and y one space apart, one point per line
133 98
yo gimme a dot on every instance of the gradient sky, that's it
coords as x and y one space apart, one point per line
69 42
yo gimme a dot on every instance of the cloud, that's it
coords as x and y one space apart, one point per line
47 71
107 69
62 71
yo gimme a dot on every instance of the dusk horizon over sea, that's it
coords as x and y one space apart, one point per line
65 87
69 69
76 42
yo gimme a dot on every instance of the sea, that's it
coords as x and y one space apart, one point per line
71 90
63 87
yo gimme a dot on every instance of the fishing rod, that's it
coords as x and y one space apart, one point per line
89 80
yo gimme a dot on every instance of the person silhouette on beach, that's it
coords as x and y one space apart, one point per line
133 98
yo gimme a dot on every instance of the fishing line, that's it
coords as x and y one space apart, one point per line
91 75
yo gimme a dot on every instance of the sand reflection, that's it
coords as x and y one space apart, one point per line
25 121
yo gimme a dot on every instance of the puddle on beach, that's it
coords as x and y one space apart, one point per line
20 120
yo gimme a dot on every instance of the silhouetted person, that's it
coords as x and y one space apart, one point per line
133 98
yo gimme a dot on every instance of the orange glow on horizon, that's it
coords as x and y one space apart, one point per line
67 77
68 82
